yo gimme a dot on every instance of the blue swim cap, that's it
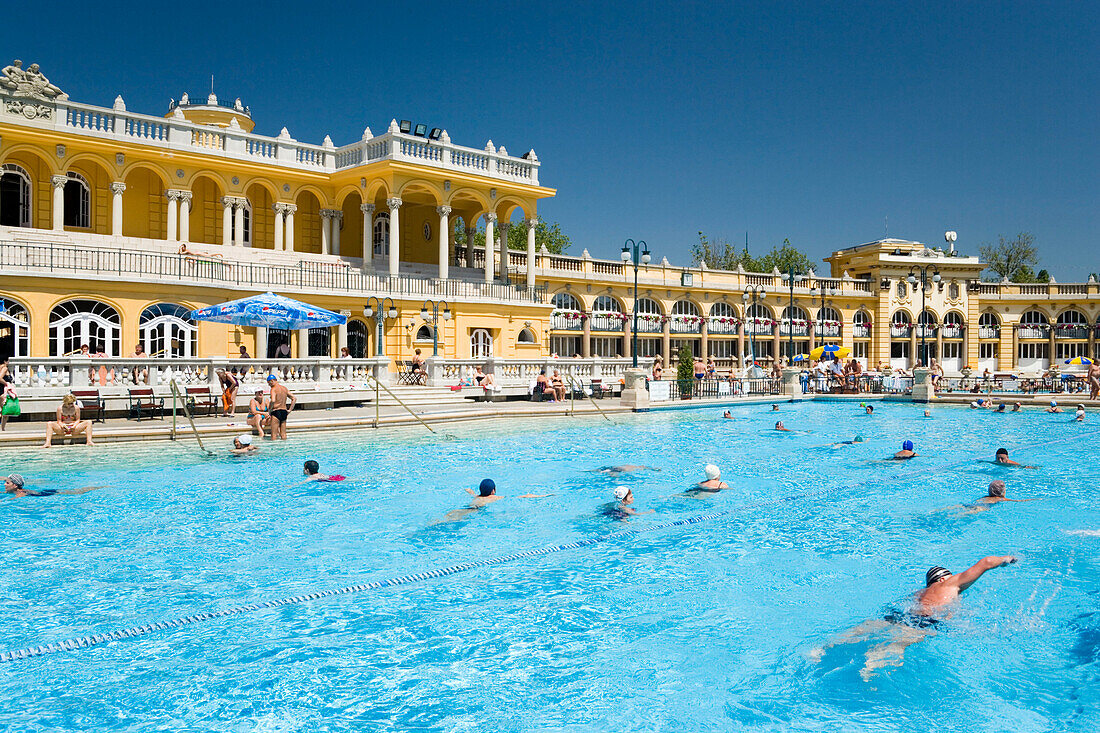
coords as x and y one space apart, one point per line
487 487
907 445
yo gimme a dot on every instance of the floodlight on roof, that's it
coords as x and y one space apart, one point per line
405 126
435 134
421 130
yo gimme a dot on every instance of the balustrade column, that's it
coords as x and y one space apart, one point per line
531 223
395 235
368 232
504 227
280 212
58 183
238 222
490 222
288 240
227 221
444 241
173 215
337 218
185 216
117 189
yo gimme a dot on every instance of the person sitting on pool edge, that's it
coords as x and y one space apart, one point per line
312 471
922 618
780 428
242 445
906 452
1002 458
15 484
621 509
714 480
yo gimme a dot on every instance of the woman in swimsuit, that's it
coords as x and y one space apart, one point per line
68 423
230 385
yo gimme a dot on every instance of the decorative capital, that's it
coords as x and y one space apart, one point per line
118 187
240 202
227 201
173 194
367 208
394 203
531 223
185 196
337 215
504 226
443 210
291 208
491 218
59 181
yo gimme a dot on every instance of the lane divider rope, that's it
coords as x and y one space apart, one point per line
132 632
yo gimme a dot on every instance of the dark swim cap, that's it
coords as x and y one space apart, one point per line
935 574
487 487
907 445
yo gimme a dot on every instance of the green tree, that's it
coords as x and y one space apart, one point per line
1042 276
548 234
719 254
1011 258
784 258
685 370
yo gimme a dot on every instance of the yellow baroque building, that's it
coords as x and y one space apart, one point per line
115 224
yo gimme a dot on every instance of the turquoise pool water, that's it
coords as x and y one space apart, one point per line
707 626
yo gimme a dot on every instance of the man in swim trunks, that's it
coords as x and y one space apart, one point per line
1093 377
282 402
312 471
258 412
1002 458
906 452
15 484
929 609
714 482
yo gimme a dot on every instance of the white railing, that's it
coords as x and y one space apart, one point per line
799 329
677 326
989 332
648 325
1033 332
722 326
954 331
829 330
523 372
1071 332
900 331
175 133
759 329
605 322
861 331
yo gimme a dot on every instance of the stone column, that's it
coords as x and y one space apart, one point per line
627 341
395 235
173 215
666 344
777 340
368 232
1051 361
444 240
939 346
914 345
227 221
471 232
635 395
326 232
280 211
185 216
490 222
741 342
531 225
704 333
238 222
58 183
341 337
792 382
337 218
1013 356
261 343
288 241
117 189
504 227
586 336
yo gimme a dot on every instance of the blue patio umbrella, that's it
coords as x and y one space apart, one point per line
269 311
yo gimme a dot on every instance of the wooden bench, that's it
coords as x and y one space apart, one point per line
202 397
143 401
92 405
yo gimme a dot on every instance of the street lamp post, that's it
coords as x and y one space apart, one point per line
434 319
791 278
630 255
822 291
377 309
753 293
923 270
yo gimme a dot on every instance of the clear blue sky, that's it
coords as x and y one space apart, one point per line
810 121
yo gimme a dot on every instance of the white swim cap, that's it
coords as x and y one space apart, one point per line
711 472
973 404
621 492
244 439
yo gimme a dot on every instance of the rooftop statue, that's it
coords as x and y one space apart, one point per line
30 82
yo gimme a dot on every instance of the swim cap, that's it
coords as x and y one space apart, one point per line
244 439
907 445
271 377
17 480
486 487
859 439
997 488
973 404
935 574
1054 403
712 472
621 492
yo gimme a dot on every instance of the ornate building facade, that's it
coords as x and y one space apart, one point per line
114 225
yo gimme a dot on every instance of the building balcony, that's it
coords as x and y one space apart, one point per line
989 332
690 326
952 332
722 326
827 331
606 322
759 329
1033 332
900 332
861 331
1080 333
798 330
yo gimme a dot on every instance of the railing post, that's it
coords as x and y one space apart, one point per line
80 376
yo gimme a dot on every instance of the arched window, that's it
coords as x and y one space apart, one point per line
827 322
794 322
566 302
481 344
381 235
424 333
1072 318
526 336
861 325
357 339
15 196
78 201
166 329
759 321
828 313
606 304
953 325
649 316
605 312
901 324
990 320
685 317
1072 324
74 323
1034 318
722 320
649 306
926 324
684 308
722 310
13 329
247 225
320 341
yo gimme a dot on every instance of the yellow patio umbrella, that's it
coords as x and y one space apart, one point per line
832 349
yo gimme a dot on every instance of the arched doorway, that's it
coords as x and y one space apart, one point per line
14 332
15 196
481 344
166 330
357 339
74 323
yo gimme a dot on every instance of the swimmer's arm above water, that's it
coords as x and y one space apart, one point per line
970 576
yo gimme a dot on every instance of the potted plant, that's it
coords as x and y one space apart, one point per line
685 372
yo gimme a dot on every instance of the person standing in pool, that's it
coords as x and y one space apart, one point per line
621 508
1093 377
1002 458
15 484
312 471
282 402
1079 416
1054 407
869 409
906 452
714 480
921 618
727 415
780 428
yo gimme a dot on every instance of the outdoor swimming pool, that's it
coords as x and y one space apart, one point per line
705 626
